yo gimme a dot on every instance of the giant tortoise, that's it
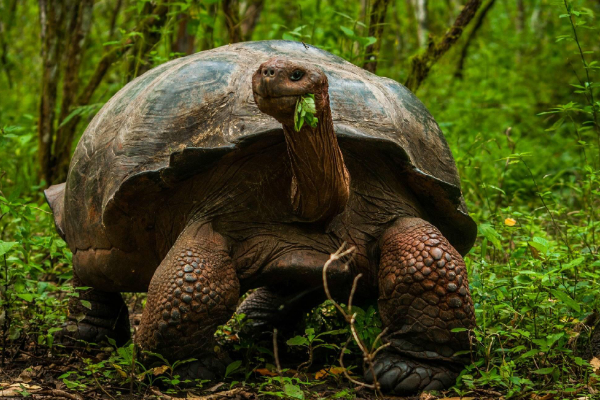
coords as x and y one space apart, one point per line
192 184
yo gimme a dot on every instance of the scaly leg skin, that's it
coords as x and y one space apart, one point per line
266 309
194 290
262 309
424 295
107 316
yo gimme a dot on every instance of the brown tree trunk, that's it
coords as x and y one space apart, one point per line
422 15
231 9
465 50
6 23
520 23
184 41
52 17
207 41
150 38
422 63
113 18
376 24
251 16
78 29
65 24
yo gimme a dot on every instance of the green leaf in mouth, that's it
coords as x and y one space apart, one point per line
305 112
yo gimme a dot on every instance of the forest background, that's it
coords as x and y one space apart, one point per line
511 83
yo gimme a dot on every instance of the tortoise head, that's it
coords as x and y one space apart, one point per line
278 83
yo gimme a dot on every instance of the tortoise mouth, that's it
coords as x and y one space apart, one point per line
280 107
268 97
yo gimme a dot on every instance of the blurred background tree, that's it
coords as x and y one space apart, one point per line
61 60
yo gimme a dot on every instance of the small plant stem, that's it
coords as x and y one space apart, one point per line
132 372
558 230
100 386
369 356
587 74
7 307
276 352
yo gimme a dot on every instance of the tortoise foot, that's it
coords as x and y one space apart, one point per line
266 309
93 316
210 369
403 376
77 334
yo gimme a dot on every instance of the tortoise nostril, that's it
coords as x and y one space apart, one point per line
269 71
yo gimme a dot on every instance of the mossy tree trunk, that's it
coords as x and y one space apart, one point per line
422 63
376 24
65 26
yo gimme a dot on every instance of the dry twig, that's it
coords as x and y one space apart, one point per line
368 354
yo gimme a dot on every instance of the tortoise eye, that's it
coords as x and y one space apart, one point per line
296 75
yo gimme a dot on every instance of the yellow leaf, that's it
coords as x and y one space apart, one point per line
120 371
16 388
510 222
334 371
595 363
159 370
265 372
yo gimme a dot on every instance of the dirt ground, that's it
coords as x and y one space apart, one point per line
36 375
32 371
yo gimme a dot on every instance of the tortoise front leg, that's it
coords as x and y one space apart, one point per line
194 290
106 315
423 295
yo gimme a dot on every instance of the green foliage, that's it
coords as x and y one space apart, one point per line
305 112
30 307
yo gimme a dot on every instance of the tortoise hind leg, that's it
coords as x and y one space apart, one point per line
266 308
424 295
106 316
194 290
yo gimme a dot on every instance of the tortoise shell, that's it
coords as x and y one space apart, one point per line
184 115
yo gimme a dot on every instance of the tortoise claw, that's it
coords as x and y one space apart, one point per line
210 368
401 375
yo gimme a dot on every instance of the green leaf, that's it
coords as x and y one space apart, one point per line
297 341
305 110
573 263
293 391
491 235
25 296
233 367
540 244
6 246
86 304
566 299
81 110
544 371
348 32
287 36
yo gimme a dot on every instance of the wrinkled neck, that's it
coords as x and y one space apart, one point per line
320 182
